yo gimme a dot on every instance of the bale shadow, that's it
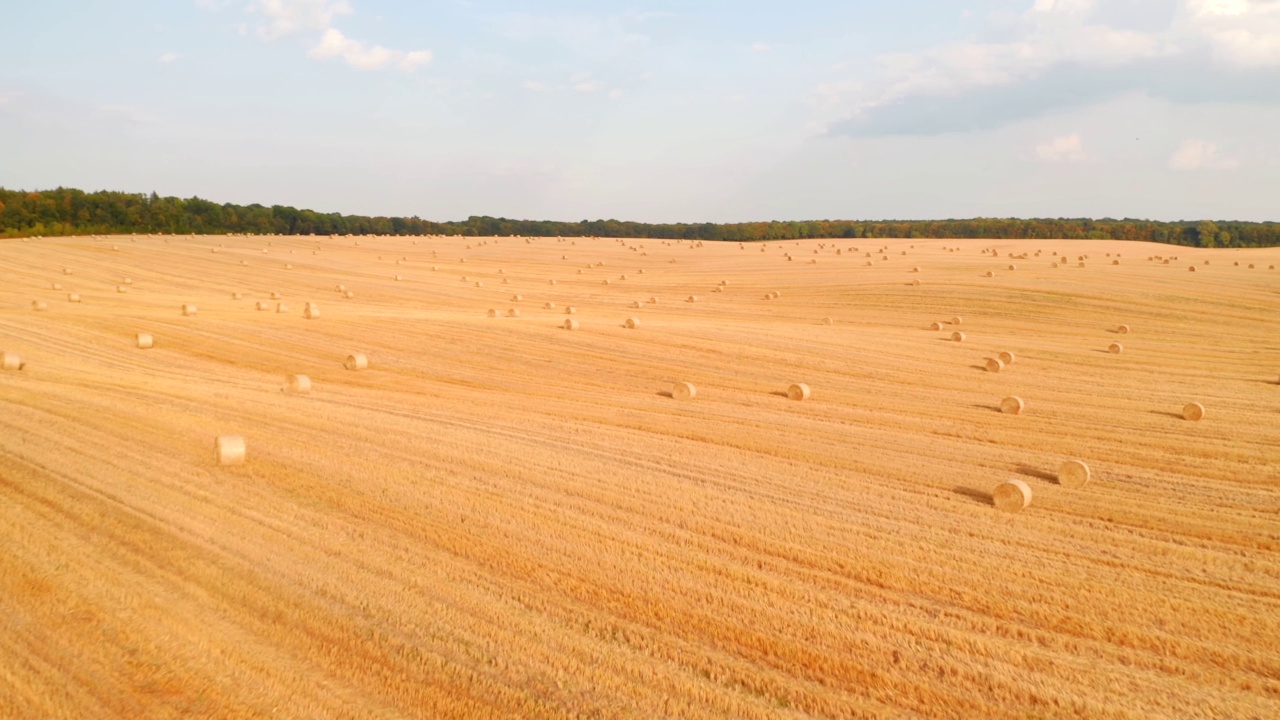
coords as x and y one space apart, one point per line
993 408
1166 413
983 368
974 494
779 393
665 394
1037 473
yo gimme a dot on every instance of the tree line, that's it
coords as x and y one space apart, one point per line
65 211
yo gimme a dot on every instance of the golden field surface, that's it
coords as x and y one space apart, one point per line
503 518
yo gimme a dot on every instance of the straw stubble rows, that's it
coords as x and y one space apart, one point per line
497 517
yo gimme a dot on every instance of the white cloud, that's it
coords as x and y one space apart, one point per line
761 47
1063 7
1065 149
1243 33
334 44
168 58
614 94
1200 155
286 17
589 86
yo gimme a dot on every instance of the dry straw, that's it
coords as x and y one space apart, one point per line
39 305
1074 474
311 311
571 324
229 450
1193 412
121 289
549 306
356 361
144 341
994 365
957 320
935 326
1012 405
632 323
828 321
693 298
512 312
262 305
493 313
1115 348
1123 330
188 309
957 336
1006 357
684 391
298 384
57 286
73 297
10 361
570 310
1011 496
798 391
282 308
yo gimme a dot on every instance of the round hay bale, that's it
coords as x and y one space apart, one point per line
1123 329
348 294
493 313
1192 268
636 305
10 361
798 391
828 321
632 323
570 310
684 391
298 385
282 308
262 305
144 341
356 362
275 296
991 273
121 289
1055 265
517 298
57 286
399 278
1006 357
1013 267
1074 474
994 365
73 297
935 326
957 320
512 312
915 269
915 283
39 305
188 310
571 324
1080 264
1012 405
229 450
1193 412
1115 262
479 283
693 298
957 336
717 289
549 306
1115 348
1011 496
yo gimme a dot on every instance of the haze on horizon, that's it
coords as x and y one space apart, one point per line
655 111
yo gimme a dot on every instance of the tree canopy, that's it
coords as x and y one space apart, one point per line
65 211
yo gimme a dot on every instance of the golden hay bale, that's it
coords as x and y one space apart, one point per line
512 312
1055 265
348 294
692 298
1074 474
1013 267
607 282
479 283
275 296
57 286
549 306
399 278
493 313
636 305
287 266
66 271
571 324
144 341
356 361
935 326
1006 357
684 391
298 384
551 282
717 289
282 308
1081 264
188 309
39 305
570 310
1011 496
73 297
11 361
1115 262
915 283
1012 405
341 288
991 273
311 311
722 282
957 336
798 391
1115 348
229 450
1192 268
828 321
994 365
517 298
653 301
121 289
915 269
262 305
632 323
1193 411
957 320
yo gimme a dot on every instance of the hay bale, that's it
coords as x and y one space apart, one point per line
635 305
121 289
144 341
57 286
1115 262
348 294
282 308
1123 329
632 323
275 296
1074 474
935 326
1115 348
571 324
798 391
188 309
66 271
236 296
653 301
229 450
828 321
1193 412
512 313
1011 496
39 305
684 391
298 385
493 313
1012 405
693 299
262 305
991 273
994 365
957 336
356 362
1006 357
1013 267
73 297
399 278
1081 264
957 320
915 269
570 310
10 361
549 306
479 283
915 283
517 298
1191 268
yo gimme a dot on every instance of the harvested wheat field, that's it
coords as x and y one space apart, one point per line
497 518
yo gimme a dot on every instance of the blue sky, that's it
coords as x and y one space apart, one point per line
656 111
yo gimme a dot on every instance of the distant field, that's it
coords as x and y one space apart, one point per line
504 518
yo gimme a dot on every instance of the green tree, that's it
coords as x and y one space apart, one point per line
1207 233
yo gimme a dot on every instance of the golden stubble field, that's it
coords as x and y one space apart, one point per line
504 518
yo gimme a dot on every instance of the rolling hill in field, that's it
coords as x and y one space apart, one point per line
502 517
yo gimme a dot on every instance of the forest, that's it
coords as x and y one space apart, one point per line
65 211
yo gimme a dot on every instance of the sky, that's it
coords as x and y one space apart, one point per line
654 110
